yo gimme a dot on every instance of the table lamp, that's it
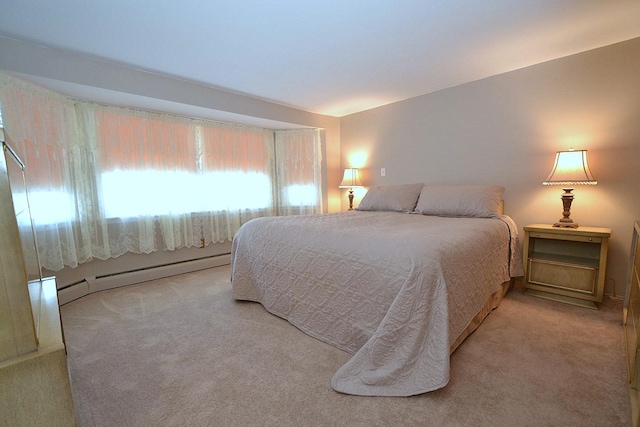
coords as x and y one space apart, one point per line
570 168
351 179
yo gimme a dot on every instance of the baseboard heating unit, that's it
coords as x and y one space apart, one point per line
101 283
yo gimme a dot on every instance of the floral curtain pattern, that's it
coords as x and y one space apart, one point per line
108 180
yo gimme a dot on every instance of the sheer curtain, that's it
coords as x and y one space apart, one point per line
142 159
299 171
42 127
237 184
109 180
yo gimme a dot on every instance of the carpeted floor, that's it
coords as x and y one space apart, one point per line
181 352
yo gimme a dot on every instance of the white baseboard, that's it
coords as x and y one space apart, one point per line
73 292
96 284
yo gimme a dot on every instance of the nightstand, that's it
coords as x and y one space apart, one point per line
566 264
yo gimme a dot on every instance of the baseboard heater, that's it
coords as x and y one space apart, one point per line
101 283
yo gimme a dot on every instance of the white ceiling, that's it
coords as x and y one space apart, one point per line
333 57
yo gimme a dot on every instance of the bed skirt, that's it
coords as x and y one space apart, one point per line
491 304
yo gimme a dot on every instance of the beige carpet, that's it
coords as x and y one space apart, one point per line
180 352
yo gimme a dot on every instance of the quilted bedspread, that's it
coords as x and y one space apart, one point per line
392 289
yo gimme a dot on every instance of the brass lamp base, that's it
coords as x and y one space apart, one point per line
565 221
566 224
350 199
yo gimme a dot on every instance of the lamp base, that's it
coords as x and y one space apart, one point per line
566 224
566 221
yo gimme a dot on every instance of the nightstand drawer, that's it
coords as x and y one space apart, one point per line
564 237
574 278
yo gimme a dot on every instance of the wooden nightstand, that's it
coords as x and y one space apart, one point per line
566 264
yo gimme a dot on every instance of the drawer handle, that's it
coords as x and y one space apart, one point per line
591 239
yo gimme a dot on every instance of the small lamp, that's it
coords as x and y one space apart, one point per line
571 168
351 179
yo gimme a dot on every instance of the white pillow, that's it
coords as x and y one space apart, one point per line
467 200
396 198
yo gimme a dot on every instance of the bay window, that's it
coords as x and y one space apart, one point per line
107 180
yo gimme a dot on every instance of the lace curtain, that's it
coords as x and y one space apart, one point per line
42 128
298 171
109 180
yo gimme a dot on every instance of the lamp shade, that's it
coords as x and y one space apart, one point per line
570 168
351 178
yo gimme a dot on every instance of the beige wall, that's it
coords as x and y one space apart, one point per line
506 129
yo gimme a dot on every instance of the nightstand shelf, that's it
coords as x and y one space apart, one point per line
566 264
575 261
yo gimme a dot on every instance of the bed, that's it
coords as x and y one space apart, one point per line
398 283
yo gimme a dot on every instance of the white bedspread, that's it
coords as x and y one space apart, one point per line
392 289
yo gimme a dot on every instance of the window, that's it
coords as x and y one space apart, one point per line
157 165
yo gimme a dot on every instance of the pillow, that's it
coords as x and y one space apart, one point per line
466 200
397 198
